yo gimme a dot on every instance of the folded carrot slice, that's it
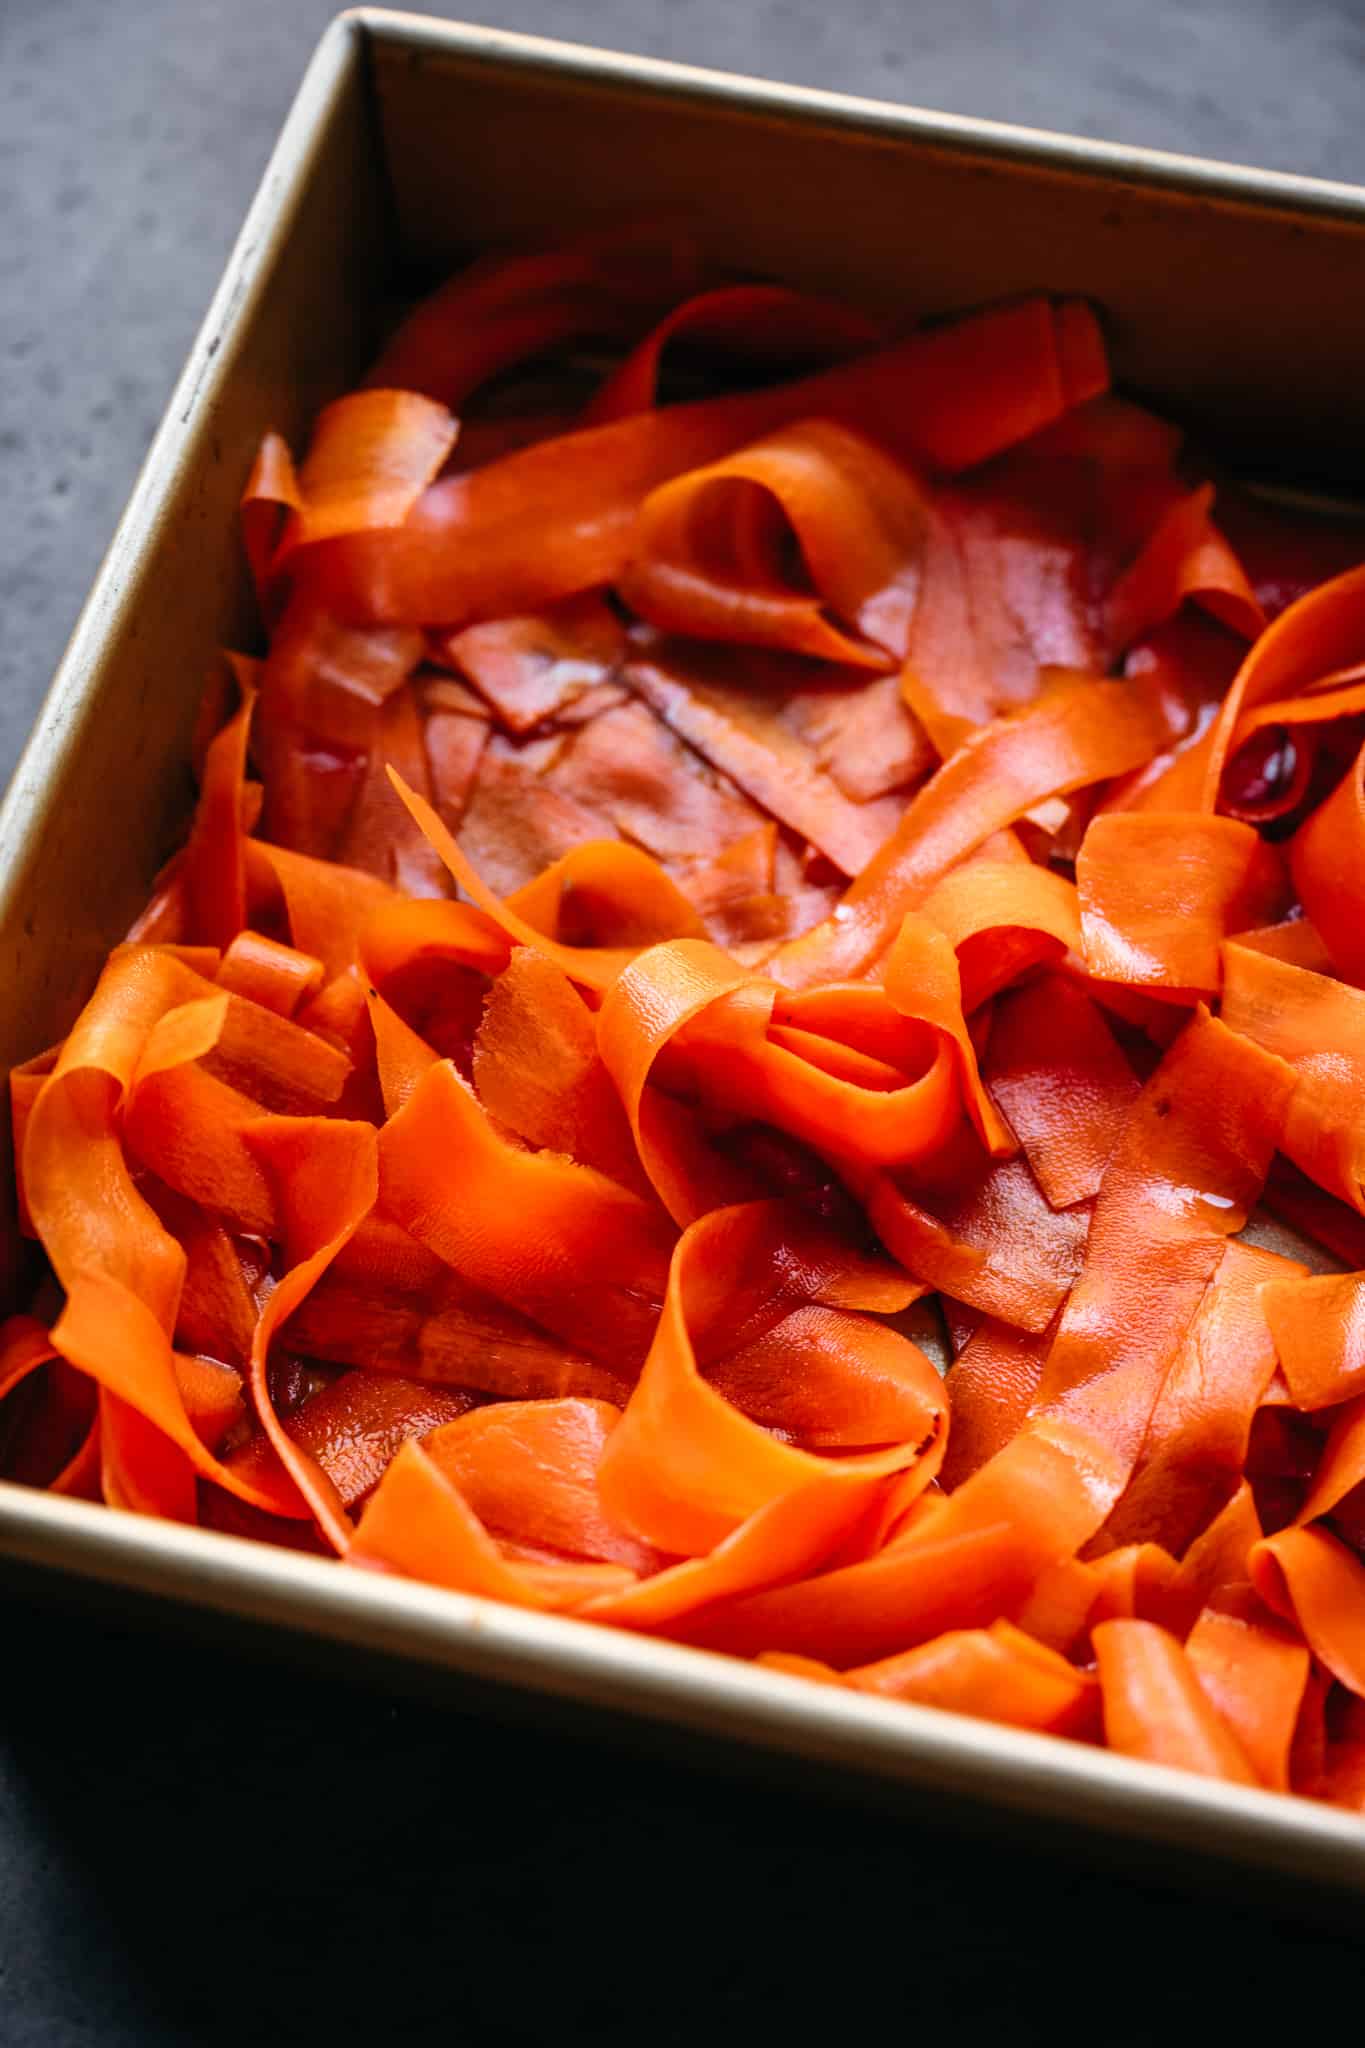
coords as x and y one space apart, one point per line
272 493
372 455
573 1250
1062 1080
1004 918
354 1428
1139 1582
419 1525
807 540
536 1067
1185 558
748 325
1197 1438
1188 1165
529 1471
1309 1578
1080 733
686 1465
998 1673
1325 858
278 977
213 874
631 890
1161 891
24 1345
974 1560
1254 1672
1318 1325
1156 1708
981 1231
434 1325
1316 1025
1340 1468
1319 633
325 1176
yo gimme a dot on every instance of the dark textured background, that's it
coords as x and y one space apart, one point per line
198 1846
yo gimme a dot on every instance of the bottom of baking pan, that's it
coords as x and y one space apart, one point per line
999 1773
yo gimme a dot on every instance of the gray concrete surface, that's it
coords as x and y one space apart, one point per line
132 133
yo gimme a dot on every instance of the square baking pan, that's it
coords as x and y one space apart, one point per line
1233 299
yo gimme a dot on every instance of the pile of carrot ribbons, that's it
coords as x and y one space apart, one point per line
759 832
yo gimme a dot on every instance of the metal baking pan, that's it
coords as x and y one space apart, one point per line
1233 299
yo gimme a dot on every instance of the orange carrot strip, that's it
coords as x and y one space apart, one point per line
537 1069
974 1560
1341 1465
789 1536
1156 1708
991 1388
1003 918
419 1525
765 323
1320 633
686 1466
1197 1438
1140 1582
1185 558
982 1232
558 517
1189 1163
278 977
379 836
24 1346
327 907
1062 1080
272 493
1325 859
320 689
1075 735
1254 1673
388 1304
1214 1570
711 548
740 717
1294 939
624 880
802 1064
997 1673
529 1471
213 873
530 668
1318 1325
605 286
1317 1026
1161 891
1340 694
325 1179
1004 594
1310 1579
372 455
355 1427
568 1247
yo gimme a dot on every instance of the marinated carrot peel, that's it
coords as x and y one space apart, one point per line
723 869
